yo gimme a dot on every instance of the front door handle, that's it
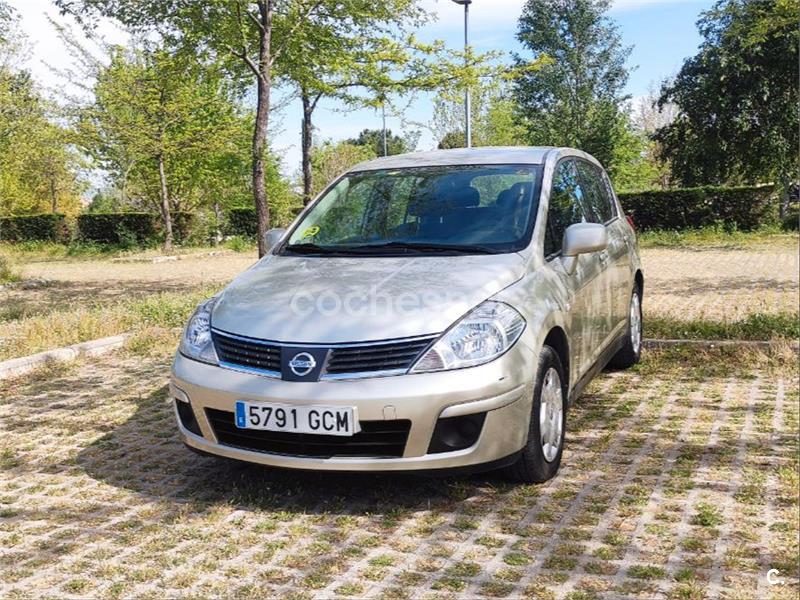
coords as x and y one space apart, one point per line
604 256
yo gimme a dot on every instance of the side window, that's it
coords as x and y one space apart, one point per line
599 201
567 206
610 195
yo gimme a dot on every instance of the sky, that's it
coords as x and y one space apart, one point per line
662 32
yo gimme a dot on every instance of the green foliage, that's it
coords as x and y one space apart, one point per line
242 222
7 274
791 222
714 236
373 139
330 160
574 98
738 118
117 228
495 117
38 166
167 130
743 208
239 243
45 227
633 166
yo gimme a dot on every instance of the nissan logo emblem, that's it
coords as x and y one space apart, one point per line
302 364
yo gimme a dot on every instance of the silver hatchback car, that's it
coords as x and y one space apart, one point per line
433 311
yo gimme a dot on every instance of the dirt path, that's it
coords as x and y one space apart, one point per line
683 284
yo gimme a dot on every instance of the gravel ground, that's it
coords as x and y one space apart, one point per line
679 480
682 284
721 284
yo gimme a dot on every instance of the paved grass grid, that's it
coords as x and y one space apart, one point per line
678 482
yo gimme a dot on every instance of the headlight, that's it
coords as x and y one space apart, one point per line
196 341
479 337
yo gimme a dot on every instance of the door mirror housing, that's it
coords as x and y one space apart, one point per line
582 238
272 237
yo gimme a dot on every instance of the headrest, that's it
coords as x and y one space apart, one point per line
443 199
513 195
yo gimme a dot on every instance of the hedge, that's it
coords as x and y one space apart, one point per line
743 208
183 225
117 228
242 221
48 227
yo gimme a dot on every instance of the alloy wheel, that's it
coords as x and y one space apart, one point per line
551 415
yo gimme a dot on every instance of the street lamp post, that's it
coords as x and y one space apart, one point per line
467 96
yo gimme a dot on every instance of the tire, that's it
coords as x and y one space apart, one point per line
631 352
536 462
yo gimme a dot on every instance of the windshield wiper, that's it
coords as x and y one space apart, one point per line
423 247
389 248
307 248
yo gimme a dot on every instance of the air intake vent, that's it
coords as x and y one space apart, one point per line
346 360
250 353
376 357
377 439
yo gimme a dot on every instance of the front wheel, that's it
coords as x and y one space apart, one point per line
631 352
541 456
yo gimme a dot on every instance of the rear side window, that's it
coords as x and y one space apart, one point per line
599 200
568 205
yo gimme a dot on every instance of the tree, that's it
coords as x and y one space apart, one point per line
575 98
163 126
38 164
494 113
395 144
330 160
738 119
248 36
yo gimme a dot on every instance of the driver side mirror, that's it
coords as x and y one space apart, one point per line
272 237
582 238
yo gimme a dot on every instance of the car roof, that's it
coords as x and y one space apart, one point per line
497 155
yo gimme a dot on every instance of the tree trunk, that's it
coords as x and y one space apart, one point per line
307 130
264 82
165 213
217 221
53 194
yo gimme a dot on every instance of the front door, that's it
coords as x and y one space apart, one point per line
589 307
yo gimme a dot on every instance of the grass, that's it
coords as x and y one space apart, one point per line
146 318
35 251
716 237
756 326
239 243
7 274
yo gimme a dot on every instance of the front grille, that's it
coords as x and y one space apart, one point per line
376 357
377 439
256 355
343 360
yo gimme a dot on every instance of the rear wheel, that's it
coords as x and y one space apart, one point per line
631 352
541 456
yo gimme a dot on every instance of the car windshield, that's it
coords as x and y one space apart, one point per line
451 210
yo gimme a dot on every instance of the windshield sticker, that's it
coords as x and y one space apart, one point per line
311 232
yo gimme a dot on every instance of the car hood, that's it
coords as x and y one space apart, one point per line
334 300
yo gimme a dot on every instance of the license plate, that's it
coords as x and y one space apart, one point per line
322 420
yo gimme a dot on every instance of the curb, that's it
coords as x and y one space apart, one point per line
654 344
169 257
20 366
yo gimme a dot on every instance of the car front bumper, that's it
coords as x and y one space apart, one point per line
501 389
